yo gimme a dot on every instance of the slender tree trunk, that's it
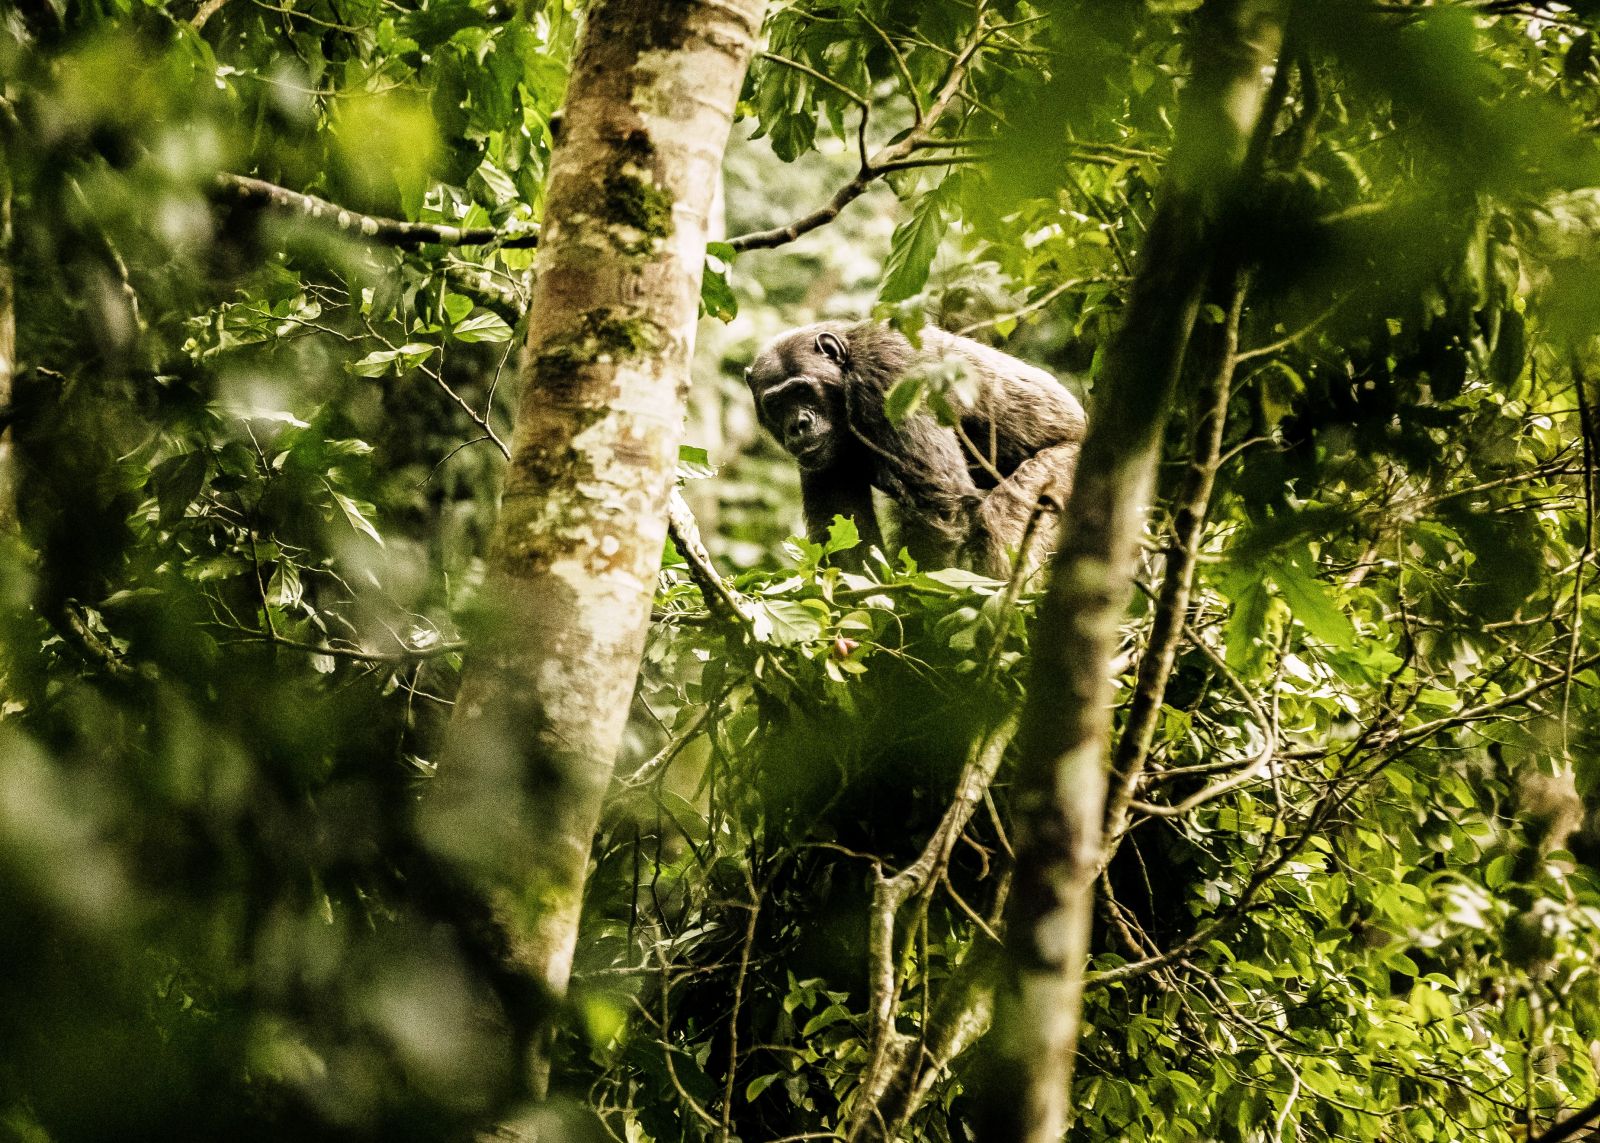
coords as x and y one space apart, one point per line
571 574
8 336
1183 557
1059 795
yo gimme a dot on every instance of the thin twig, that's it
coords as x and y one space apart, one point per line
828 81
738 998
1289 339
1032 307
900 66
1570 1126
405 653
478 283
1132 749
1580 380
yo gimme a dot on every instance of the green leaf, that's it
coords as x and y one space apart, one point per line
842 536
1247 622
832 1014
716 296
694 463
221 567
414 354
456 307
482 326
375 364
1313 605
1499 871
355 512
347 446
283 589
912 248
905 397
785 621
760 1084
176 483
958 580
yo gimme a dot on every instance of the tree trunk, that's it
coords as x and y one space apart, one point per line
8 337
1024 1078
572 570
1182 559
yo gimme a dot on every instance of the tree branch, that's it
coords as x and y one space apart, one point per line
895 156
205 12
1034 306
720 599
1570 1126
479 284
390 231
889 1068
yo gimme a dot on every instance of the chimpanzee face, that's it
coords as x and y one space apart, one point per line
796 411
798 388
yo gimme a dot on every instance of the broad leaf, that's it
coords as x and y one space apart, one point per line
482 326
912 249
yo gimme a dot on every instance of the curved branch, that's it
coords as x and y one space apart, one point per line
1032 307
1266 722
390 231
890 1074
783 235
206 10
893 157
721 600
806 69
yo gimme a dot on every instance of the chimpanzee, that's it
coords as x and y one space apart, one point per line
961 496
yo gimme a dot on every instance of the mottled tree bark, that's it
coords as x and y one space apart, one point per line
1024 1077
583 517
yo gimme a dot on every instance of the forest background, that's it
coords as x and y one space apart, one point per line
357 784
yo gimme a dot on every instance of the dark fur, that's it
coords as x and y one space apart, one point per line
820 391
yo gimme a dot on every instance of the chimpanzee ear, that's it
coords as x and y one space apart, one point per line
831 346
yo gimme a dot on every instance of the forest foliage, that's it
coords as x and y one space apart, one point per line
257 440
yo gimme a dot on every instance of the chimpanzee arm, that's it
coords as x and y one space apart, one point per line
923 471
1006 510
838 491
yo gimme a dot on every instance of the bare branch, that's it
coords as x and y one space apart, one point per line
889 1067
754 908
479 283
405 653
783 235
1289 339
205 12
900 65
